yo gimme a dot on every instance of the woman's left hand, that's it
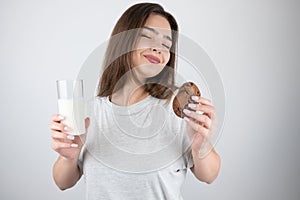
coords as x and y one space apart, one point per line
200 127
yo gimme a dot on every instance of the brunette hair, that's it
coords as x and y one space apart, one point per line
118 56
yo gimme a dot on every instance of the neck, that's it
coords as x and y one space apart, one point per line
129 94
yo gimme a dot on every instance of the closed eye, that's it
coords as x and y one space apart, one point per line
166 46
146 36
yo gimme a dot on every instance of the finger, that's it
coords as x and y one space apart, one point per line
205 101
57 117
57 145
62 136
197 127
87 122
202 100
203 119
55 126
210 110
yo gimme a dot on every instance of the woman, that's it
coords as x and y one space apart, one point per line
139 73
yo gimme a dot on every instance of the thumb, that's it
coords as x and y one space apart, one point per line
83 136
87 123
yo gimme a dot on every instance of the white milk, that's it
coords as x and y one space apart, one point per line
73 110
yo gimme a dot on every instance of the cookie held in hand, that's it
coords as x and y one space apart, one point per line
183 98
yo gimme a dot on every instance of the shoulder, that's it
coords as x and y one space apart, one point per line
168 105
96 99
94 103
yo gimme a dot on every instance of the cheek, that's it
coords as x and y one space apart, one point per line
167 56
135 58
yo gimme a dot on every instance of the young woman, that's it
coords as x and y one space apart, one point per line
134 95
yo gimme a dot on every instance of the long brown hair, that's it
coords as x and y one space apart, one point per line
118 56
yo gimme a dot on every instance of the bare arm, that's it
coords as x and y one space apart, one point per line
206 169
66 172
201 126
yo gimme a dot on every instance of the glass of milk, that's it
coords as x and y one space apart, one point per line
71 104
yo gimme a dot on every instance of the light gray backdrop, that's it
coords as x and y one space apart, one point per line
254 45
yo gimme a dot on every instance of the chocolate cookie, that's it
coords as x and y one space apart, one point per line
183 98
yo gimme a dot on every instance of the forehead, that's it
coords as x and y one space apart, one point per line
159 23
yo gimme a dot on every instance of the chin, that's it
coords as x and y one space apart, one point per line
149 75
145 72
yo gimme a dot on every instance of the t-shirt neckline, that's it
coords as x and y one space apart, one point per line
131 109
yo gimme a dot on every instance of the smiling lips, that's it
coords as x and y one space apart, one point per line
152 59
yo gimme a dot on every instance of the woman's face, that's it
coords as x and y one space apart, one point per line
152 52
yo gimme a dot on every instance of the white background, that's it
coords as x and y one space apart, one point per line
254 45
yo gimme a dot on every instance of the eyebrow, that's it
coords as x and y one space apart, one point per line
156 32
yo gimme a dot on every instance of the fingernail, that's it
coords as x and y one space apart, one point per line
195 98
199 112
60 117
71 137
191 105
186 119
74 145
67 128
186 111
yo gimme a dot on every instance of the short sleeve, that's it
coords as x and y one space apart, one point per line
80 159
190 161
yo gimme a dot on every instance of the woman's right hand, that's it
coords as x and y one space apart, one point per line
68 146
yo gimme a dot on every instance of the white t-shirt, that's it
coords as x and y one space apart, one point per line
141 151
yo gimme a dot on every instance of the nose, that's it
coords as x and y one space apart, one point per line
155 49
